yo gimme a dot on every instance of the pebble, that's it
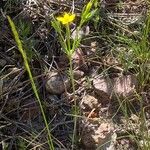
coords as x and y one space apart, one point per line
78 74
89 102
57 83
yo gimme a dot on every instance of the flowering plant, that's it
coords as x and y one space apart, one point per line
69 44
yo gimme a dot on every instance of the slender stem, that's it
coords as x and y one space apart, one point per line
68 38
19 44
70 53
75 102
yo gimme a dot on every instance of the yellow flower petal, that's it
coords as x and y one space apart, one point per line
67 18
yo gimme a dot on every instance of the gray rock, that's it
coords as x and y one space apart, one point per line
122 86
78 74
57 83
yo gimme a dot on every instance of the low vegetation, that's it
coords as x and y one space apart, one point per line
74 75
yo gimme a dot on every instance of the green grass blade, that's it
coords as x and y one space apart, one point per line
20 47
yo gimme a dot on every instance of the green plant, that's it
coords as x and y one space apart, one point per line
69 45
25 30
23 53
136 54
135 57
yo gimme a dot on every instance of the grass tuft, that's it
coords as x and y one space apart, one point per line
20 48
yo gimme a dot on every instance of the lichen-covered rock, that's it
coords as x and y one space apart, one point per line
95 129
89 102
96 133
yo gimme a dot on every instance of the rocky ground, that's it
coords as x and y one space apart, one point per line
113 105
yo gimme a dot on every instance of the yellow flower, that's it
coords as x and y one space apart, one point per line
66 19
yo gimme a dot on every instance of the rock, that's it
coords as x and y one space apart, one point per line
95 129
125 144
78 74
57 83
96 133
2 62
89 103
122 86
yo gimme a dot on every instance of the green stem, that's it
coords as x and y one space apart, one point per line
75 102
68 38
19 44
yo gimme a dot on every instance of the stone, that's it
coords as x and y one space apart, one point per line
57 83
125 85
96 133
78 74
89 103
